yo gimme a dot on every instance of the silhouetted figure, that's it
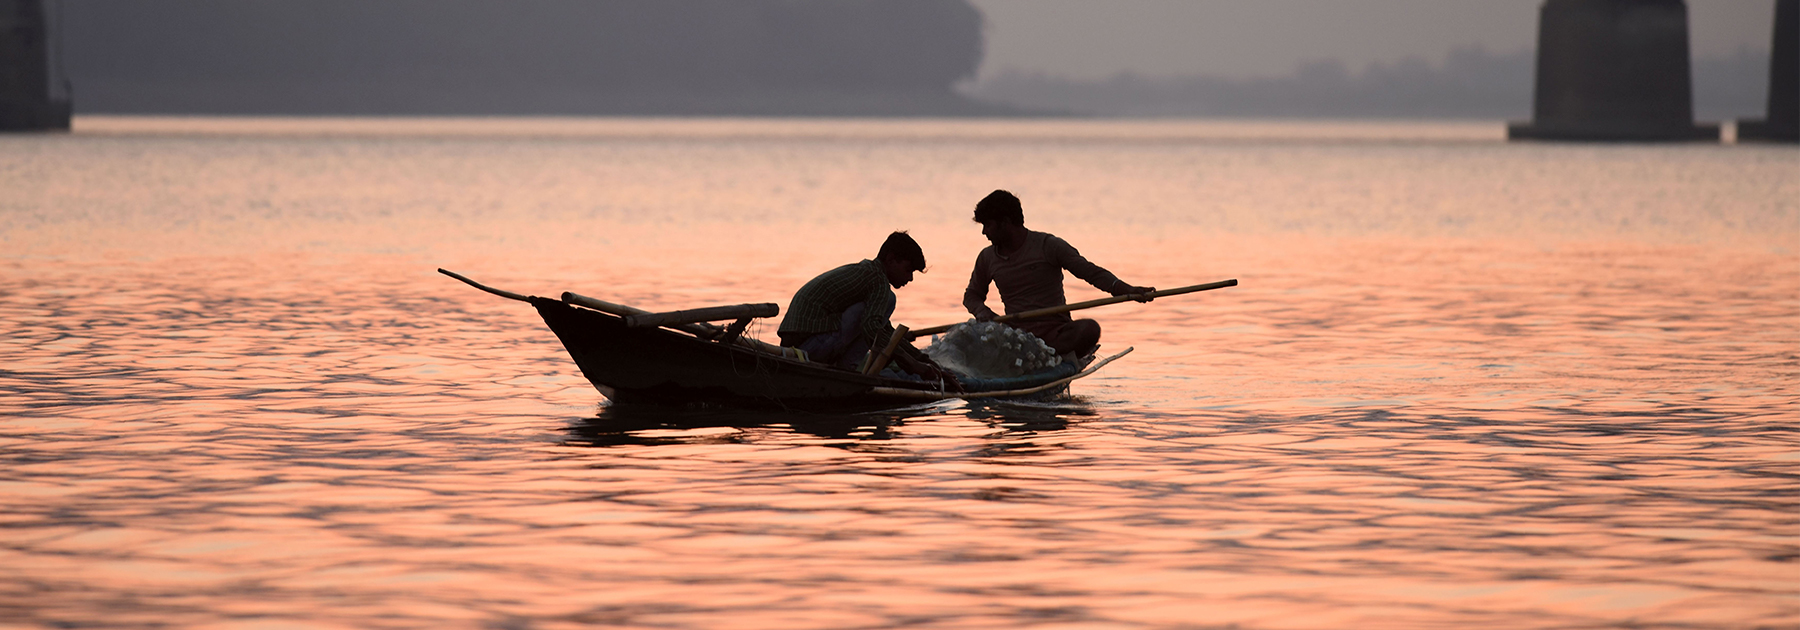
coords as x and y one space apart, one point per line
838 316
1027 266
26 103
1782 121
1613 70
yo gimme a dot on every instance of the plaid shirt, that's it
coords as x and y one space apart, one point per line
819 304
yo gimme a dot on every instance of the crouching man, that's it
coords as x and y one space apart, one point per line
840 315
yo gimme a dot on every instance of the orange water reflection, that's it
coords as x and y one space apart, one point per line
237 395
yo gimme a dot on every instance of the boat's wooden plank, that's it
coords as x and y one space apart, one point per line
942 395
878 361
697 315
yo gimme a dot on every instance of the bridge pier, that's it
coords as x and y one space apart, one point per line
1613 70
1781 123
26 102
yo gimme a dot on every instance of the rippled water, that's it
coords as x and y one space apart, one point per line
1464 383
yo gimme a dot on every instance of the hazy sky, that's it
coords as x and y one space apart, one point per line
1085 38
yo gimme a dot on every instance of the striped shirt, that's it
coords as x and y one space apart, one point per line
1031 278
817 306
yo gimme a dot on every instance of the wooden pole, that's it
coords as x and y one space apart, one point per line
701 330
1056 310
603 306
697 330
696 315
887 353
500 292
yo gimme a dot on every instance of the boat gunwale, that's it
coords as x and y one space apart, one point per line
1027 391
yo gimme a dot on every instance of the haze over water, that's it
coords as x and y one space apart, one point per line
1463 382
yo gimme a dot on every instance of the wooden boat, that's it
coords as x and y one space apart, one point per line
677 362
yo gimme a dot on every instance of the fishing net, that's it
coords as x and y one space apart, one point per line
991 350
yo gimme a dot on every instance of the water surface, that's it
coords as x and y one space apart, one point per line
1463 383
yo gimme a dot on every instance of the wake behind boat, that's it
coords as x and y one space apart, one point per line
677 358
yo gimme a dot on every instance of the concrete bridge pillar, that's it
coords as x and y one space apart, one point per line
26 103
1613 70
1782 122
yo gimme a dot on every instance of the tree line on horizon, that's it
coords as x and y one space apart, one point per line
1471 83
525 57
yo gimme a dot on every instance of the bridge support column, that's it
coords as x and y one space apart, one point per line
26 103
1613 70
1782 122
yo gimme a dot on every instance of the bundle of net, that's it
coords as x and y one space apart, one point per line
991 350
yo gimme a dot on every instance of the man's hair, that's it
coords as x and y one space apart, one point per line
999 206
901 246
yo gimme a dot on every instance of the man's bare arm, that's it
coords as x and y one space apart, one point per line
975 297
1068 258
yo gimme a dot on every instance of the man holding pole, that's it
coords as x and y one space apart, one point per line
1027 266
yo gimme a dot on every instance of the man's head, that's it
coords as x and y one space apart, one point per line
999 206
900 256
1002 219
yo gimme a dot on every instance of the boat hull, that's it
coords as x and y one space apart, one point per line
664 367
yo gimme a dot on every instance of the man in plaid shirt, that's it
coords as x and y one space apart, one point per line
840 315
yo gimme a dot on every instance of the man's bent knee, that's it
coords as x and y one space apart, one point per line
1079 336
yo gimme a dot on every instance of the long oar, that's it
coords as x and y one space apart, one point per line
1055 310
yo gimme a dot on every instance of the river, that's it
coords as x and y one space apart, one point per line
1463 382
